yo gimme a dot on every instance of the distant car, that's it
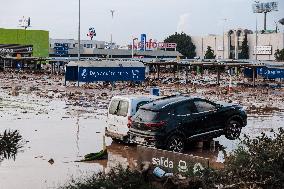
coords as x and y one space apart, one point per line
170 122
120 111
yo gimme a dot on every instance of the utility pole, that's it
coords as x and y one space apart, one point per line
256 37
79 32
225 19
112 16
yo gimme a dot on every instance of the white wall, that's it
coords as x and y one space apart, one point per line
274 39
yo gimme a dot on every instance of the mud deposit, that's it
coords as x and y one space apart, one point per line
63 124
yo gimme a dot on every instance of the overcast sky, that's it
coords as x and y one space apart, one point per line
156 18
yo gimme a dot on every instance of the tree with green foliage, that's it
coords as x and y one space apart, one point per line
184 44
279 55
244 49
209 53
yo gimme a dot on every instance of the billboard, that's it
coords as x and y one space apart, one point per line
25 22
92 74
265 7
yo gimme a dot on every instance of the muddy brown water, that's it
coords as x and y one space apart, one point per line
54 129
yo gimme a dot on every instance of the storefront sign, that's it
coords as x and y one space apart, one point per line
15 49
91 74
263 50
171 161
151 44
156 45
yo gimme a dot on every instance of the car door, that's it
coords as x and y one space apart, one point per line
122 117
117 118
207 113
187 119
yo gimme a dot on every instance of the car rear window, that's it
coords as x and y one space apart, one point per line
119 107
149 116
113 107
122 108
141 104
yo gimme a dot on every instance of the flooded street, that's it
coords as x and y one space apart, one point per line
58 135
65 130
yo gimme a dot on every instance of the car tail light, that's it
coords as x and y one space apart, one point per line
155 125
129 123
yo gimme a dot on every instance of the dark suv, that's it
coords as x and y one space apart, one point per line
172 121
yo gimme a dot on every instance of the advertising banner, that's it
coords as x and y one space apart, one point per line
92 74
270 73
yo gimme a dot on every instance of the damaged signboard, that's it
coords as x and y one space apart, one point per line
171 161
91 71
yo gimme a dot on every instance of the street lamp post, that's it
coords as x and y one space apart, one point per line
256 37
224 38
79 32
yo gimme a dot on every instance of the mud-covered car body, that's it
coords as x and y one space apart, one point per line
185 118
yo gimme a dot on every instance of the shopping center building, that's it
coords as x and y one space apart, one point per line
228 46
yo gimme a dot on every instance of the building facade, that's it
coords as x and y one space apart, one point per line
24 43
228 46
100 49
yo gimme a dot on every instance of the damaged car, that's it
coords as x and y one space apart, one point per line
171 122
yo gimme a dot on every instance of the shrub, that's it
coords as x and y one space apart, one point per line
115 179
258 163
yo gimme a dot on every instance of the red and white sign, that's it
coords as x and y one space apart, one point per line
156 45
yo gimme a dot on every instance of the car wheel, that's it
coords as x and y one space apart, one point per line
233 130
176 143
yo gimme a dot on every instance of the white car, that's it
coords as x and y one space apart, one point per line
120 111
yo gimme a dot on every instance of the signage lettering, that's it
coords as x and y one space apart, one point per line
171 161
263 50
111 74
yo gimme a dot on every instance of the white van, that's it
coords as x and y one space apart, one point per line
120 111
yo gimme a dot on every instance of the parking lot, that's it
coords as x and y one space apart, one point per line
65 123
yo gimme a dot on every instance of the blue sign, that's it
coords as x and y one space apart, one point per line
61 49
143 42
19 65
270 73
91 74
